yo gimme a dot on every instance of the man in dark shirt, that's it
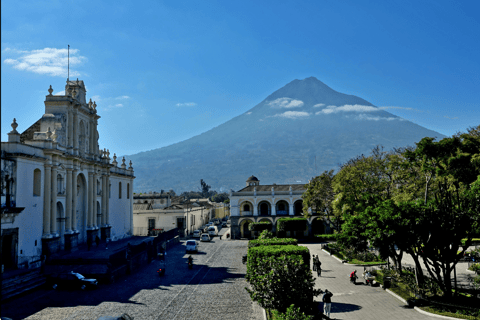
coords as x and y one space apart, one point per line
327 303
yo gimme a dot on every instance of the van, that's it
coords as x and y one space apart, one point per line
213 231
191 245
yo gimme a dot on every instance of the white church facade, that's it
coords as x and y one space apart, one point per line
59 189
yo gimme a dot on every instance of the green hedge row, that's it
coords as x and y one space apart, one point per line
272 242
262 251
291 224
260 226
326 237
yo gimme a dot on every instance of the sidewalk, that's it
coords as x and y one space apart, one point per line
358 301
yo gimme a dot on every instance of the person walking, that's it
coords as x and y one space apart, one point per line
327 303
319 268
314 262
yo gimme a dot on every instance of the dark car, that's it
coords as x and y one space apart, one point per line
71 280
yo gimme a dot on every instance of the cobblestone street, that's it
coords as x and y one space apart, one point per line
213 289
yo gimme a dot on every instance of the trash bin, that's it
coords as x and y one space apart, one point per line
387 282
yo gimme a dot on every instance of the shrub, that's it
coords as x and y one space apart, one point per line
292 313
279 276
475 267
272 242
324 237
260 226
266 234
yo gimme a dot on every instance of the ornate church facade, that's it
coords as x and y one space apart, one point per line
59 188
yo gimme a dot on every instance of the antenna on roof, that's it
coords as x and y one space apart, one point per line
68 76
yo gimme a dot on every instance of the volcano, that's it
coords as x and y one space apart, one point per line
296 133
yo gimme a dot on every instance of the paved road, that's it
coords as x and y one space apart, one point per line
213 289
359 301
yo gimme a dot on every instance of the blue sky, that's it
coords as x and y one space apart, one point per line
164 71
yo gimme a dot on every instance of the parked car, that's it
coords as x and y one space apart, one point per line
196 233
191 246
205 237
217 222
224 223
71 280
213 231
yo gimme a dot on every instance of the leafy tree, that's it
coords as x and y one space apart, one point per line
204 187
319 196
220 197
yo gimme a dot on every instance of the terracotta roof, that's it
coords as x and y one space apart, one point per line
277 187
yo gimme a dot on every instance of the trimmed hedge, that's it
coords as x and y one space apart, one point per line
272 242
260 226
324 237
261 251
279 276
292 224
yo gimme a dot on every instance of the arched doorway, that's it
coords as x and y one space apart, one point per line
246 209
298 208
61 224
80 214
282 208
318 226
264 208
246 233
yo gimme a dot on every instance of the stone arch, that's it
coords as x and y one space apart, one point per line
244 232
282 208
298 207
81 209
37 182
264 208
318 225
246 208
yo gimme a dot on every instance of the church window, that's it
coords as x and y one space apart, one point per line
37 178
119 190
246 207
128 190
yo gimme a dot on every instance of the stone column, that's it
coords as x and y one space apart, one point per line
107 196
290 210
255 209
104 199
75 132
70 128
274 209
90 201
68 200
94 204
74 200
53 208
47 199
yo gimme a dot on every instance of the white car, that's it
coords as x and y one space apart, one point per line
205 237
196 233
213 231
191 246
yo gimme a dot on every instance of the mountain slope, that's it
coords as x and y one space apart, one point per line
300 127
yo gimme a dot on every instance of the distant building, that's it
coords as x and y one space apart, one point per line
256 203
58 187
155 212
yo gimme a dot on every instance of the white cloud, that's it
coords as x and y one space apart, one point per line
96 98
318 105
49 61
293 114
186 104
286 103
122 97
347 108
61 93
249 112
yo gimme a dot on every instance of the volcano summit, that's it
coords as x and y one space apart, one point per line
296 133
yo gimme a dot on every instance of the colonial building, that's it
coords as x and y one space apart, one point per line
256 203
70 190
149 219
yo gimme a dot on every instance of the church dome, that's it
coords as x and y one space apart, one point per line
252 178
